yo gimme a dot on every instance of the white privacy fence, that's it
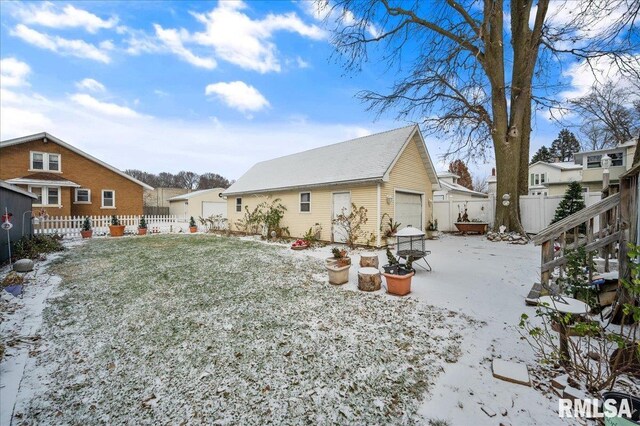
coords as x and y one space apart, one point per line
447 211
70 226
536 211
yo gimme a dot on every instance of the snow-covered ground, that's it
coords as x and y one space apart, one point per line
204 327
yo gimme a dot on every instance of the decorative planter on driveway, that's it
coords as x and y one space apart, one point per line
472 227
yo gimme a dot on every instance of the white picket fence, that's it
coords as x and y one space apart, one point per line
70 226
536 211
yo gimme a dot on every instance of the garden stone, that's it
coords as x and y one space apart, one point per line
511 372
23 265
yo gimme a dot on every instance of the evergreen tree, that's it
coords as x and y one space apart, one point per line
571 203
565 145
460 168
543 154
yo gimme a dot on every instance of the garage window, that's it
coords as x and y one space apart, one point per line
239 204
305 202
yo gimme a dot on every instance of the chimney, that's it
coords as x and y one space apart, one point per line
493 171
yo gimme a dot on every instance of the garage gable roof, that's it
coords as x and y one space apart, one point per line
361 160
47 136
194 194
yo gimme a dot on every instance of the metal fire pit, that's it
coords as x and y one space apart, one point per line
410 243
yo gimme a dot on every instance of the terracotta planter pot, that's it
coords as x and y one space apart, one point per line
472 227
142 231
338 274
400 285
193 229
116 230
86 234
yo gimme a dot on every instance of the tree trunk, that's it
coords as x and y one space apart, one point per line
508 183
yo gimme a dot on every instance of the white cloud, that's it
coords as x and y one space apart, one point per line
302 63
173 41
238 95
63 46
106 108
13 72
583 76
91 85
246 42
54 16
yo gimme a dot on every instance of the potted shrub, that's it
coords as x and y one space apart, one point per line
339 255
142 226
432 229
192 225
86 231
116 229
398 276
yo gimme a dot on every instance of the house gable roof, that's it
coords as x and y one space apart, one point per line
43 135
189 195
361 160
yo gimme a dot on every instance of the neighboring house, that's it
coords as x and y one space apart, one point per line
204 203
554 178
66 180
451 190
621 161
17 203
387 173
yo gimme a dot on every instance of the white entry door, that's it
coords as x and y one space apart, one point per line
408 209
341 205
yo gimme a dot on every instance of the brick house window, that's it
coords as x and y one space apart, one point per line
83 196
45 161
47 195
239 204
108 199
305 202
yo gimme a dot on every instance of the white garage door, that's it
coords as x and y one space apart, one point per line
210 208
409 209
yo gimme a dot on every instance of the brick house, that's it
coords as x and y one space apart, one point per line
67 180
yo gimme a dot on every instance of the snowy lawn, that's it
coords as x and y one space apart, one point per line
172 329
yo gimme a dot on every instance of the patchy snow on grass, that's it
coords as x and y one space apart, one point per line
168 329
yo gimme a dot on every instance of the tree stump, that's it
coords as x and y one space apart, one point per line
369 279
369 260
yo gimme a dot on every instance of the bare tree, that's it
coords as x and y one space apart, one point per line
212 180
480 184
608 117
461 73
188 180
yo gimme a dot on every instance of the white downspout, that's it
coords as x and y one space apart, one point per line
378 217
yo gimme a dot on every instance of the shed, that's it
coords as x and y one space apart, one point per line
17 203
204 203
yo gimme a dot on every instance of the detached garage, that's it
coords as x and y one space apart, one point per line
204 203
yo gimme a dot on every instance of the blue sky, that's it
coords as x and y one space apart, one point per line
201 86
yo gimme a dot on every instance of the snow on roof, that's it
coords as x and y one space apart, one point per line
45 135
459 188
366 159
562 165
14 188
194 194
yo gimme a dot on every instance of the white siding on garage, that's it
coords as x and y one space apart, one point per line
409 209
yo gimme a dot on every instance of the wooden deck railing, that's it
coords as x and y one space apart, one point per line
600 231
